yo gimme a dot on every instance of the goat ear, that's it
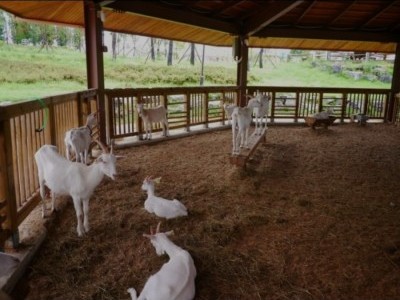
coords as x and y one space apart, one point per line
168 233
157 180
147 235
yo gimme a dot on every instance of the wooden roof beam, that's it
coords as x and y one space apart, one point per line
326 34
344 11
377 14
155 10
268 15
228 6
308 8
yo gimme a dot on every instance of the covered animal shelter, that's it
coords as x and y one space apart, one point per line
315 215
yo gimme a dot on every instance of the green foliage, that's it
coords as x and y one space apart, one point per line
2 26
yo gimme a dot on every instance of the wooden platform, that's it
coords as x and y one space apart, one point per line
241 159
313 122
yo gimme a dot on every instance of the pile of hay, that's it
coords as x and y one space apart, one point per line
316 215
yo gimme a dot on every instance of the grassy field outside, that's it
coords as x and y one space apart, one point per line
28 73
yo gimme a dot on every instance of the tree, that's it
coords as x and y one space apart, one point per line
192 52
261 58
62 36
47 36
152 52
2 26
7 32
21 31
114 45
170 52
77 39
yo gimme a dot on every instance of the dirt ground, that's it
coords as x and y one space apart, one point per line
316 215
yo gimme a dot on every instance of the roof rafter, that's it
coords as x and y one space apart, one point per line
378 13
152 9
269 15
327 34
308 8
344 11
228 6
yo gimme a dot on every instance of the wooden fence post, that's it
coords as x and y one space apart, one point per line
205 111
4 215
7 188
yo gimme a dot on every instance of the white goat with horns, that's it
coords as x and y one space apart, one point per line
260 106
78 139
77 180
153 115
161 207
176 278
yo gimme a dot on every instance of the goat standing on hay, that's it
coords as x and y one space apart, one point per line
77 180
161 207
78 139
229 108
241 118
153 115
176 278
260 106
324 115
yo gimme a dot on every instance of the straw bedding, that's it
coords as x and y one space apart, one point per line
316 215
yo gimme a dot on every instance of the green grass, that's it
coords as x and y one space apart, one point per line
302 74
28 73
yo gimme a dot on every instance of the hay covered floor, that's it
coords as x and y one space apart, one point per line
315 216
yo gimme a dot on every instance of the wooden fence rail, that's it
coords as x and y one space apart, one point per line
189 107
25 127
186 107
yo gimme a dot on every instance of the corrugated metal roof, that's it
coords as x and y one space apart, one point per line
358 25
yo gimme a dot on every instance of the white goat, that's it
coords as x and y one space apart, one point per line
323 115
153 115
161 207
78 139
176 278
77 180
241 118
229 108
260 106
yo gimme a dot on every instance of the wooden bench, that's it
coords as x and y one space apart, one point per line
313 122
241 159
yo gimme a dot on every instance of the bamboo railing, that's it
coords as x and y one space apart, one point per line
25 127
188 107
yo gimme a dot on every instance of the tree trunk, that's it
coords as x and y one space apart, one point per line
114 45
261 58
192 50
152 52
170 52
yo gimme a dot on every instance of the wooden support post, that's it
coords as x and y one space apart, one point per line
241 54
395 85
94 59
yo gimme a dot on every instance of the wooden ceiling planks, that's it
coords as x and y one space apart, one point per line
363 24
